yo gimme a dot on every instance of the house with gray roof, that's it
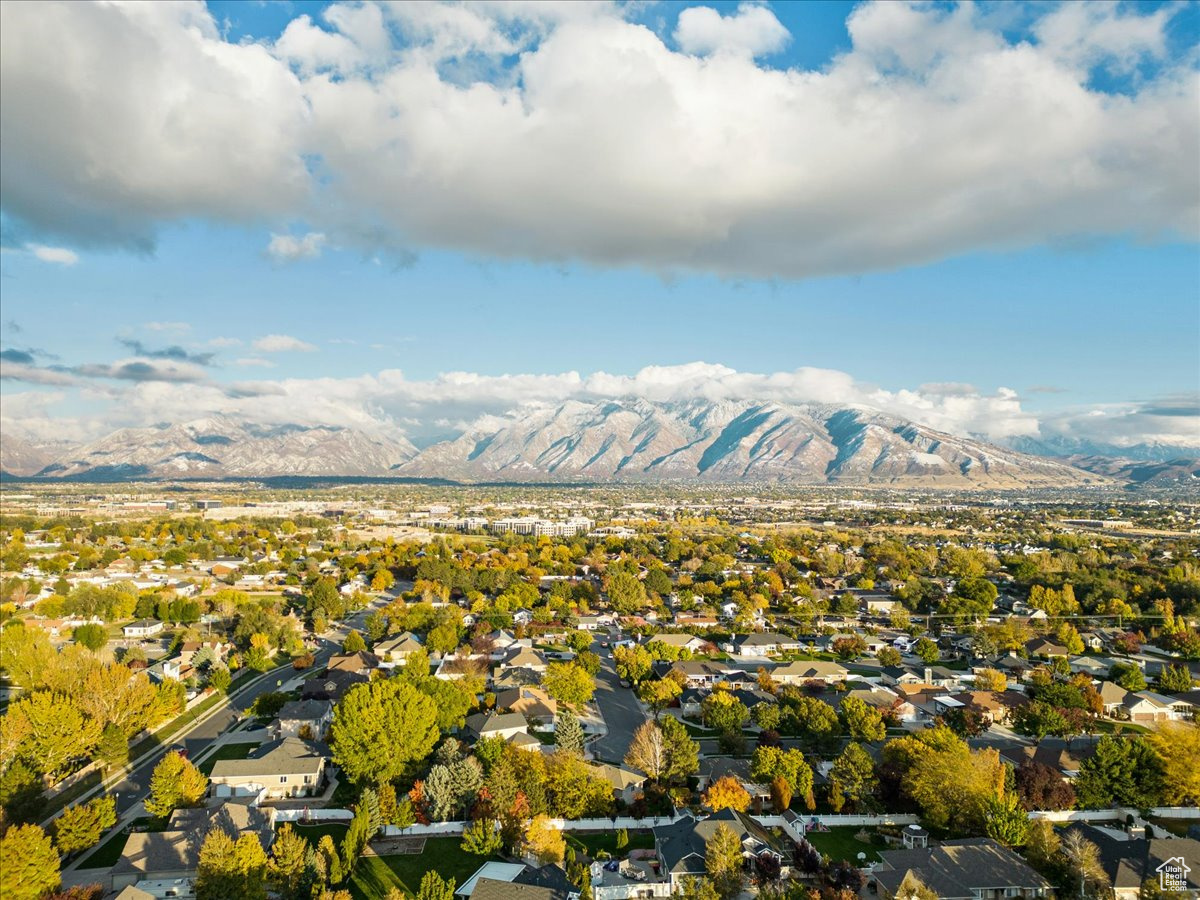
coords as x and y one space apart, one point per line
289 767
681 846
297 715
968 869
1129 860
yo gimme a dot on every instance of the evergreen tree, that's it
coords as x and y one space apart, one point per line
569 733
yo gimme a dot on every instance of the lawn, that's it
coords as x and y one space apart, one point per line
839 843
1107 726
593 843
227 751
107 854
376 875
314 833
1177 827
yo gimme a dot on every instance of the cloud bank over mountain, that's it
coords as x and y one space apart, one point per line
560 132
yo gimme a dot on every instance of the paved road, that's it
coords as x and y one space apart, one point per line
134 787
621 710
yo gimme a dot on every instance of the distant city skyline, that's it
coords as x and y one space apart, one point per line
409 216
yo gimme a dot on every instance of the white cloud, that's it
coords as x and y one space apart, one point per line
399 126
289 248
752 30
224 342
168 327
254 362
282 343
58 255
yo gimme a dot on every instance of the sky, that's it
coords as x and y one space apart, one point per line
406 216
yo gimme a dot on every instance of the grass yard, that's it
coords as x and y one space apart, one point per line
1107 726
376 875
1177 827
227 751
593 843
839 843
314 833
106 855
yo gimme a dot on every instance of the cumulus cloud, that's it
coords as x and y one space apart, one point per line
60 256
289 248
752 30
282 343
171 327
174 352
558 132
254 362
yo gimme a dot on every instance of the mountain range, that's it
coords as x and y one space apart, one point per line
632 440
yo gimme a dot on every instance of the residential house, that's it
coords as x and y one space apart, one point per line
1112 695
531 702
142 628
361 663
970 869
1147 706
699 673
1044 648
155 857
332 686
494 724
397 649
688 642
765 643
288 767
519 657
626 783
681 846
696 620
800 672
1130 859
595 623
296 716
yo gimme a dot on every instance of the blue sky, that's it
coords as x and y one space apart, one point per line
811 187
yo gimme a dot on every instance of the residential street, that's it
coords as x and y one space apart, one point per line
622 711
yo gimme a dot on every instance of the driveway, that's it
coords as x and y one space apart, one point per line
622 711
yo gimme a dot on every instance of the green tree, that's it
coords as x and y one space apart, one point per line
723 862
633 664
579 641
94 637
888 656
568 683
220 679
1174 679
568 733
434 887
356 838
29 866
1006 820
1128 676
381 730
927 651
288 872
682 753
482 838
50 731
862 722
113 749
231 870
1122 772
626 593
331 859
354 643
723 711
175 783
81 826
769 763
852 779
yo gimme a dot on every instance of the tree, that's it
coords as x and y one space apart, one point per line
991 680
781 794
231 870
568 733
288 872
360 832
1178 746
1041 787
660 694
434 887
952 784
113 749
1122 772
381 729
913 888
29 867
726 793
220 679
769 763
724 712
568 683
1174 679
50 731
545 841
852 779
482 837
1041 843
94 637
354 643
648 750
1038 719
683 754
888 656
626 593
580 641
849 647
862 722
331 859
696 889
927 651
1005 820
723 862
175 783
1084 863
633 664
80 827
1128 676
450 789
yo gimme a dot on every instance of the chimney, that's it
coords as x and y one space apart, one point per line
928 675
